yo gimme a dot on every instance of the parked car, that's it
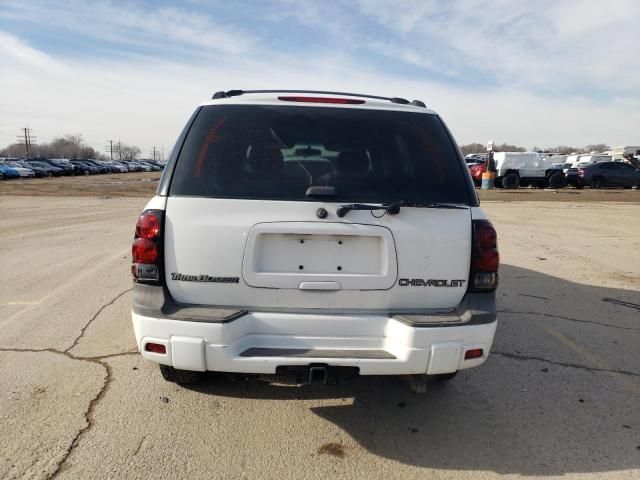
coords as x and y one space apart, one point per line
475 158
143 167
38 172
133 166
8 172
119 167
309 273
604 174
67 168
595 158
153 167
84 168
158 164
47 167
110 165
23 171
476 170
101 168
124 166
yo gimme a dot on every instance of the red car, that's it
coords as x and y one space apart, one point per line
476 171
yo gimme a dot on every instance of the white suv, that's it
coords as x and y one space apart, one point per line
313 233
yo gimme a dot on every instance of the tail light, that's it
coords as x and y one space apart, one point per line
473 353
485 258
156 348
146 251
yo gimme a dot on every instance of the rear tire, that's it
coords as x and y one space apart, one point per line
511 181
597 182
181 377
557 180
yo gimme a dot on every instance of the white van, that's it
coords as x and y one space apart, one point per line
514 169
619 154
311 232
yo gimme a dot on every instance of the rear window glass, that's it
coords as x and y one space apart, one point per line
278 152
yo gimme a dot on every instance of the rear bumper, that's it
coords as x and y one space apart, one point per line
575 181
256 343
236 340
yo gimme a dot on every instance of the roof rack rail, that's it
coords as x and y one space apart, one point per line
235 93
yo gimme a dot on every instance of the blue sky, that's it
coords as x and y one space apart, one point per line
528 72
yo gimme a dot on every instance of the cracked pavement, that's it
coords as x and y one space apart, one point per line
558 397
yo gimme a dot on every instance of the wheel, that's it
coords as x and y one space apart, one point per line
511 180
86 172
579 186
557 180
597 182
445 377
182 377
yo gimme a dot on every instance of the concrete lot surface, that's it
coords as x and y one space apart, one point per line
558 397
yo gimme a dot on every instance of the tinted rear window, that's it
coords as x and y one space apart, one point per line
278 152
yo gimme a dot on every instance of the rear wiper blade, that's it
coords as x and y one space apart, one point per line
451 206
391 208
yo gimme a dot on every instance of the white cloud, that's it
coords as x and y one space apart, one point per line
127 24
546 58
24 55
147 102
552 46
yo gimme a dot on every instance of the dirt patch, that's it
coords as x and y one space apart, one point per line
141 184
561 195
333 449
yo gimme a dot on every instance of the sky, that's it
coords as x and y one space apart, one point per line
532 73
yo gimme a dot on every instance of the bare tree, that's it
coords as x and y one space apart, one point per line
472 148
480 148
598 147
67 146
127 152
505 147
563 149
14 150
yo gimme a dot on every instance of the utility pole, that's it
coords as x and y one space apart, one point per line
109 148
155 149
119 150
27 139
